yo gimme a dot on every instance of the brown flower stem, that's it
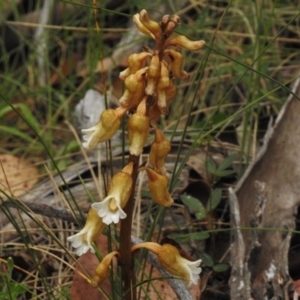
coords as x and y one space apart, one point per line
126 260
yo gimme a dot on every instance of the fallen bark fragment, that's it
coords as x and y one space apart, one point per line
268 197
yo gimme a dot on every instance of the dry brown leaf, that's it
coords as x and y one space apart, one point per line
80 288
17 175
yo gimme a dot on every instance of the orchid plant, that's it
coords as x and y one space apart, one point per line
149 89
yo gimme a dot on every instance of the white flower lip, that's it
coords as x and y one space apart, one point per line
106 214
88 136
79 242
193 268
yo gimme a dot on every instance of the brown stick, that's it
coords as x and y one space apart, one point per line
126 261
41 209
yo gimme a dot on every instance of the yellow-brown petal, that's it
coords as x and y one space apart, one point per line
184 42
138 131
176 65
158 151
141 27
106 128
153 75
158 184
102 269
168 258
151 25
135 63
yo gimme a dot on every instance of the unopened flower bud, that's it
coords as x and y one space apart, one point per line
158 186
158 151
153 75
102 269
176 65
170 258
151 25
184 42
135 63
169 24
138 129
109 123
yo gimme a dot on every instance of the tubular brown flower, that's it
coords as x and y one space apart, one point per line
151 25
111 208
141 27
109 123
158 184
135 63
102 269
176 65
138 129
184 42
135 89
158 151
153 75
170 258
93 228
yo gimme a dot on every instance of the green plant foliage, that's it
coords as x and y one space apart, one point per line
9 289
220 267
214 199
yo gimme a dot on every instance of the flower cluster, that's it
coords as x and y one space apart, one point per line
149 89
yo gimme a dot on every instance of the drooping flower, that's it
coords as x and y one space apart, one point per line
111 208
83 240
158 186
170 258
109 123
102 269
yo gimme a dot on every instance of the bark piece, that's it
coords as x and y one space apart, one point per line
268 196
